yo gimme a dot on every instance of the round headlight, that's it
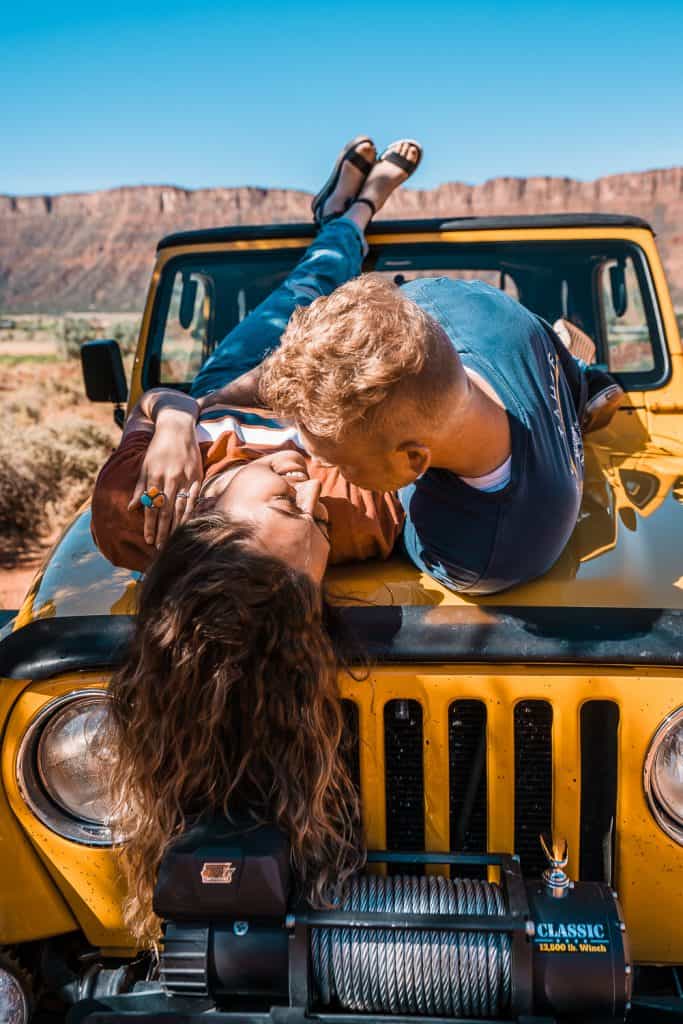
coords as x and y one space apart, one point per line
663 776
64 765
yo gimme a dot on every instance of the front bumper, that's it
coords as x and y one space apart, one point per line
154 1007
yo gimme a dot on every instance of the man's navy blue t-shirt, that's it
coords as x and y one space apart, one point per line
477 541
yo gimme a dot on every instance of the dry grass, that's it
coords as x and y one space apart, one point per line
52 443
46 472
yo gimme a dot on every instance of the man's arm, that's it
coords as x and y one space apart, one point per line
242 392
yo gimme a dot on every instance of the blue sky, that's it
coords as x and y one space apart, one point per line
199 94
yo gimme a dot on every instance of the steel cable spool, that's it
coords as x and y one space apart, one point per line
404 945
405 971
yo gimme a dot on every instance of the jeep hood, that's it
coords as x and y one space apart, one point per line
626 551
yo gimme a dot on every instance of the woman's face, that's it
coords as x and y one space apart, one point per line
275 495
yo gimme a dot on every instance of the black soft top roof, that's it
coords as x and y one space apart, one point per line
247 232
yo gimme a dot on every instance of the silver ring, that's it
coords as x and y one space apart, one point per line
182 494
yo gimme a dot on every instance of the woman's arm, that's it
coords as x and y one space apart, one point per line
172 463
146 411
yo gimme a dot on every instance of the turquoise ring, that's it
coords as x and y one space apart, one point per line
152 498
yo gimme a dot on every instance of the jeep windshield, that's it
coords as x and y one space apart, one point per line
604 287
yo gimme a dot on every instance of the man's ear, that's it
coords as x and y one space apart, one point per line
419 456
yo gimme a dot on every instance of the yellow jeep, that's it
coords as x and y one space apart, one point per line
555 708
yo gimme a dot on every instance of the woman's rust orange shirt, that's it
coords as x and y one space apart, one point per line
363 524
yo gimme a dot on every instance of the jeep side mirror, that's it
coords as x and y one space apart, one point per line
104 376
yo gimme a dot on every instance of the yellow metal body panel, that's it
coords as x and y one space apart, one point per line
87 876
648 864
31 905
626 551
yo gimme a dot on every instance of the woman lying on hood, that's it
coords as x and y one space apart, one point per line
228 702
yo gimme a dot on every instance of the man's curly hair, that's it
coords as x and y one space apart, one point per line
345 357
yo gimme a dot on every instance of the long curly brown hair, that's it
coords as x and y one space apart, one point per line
228 703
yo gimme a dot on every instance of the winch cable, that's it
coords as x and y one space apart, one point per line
414 971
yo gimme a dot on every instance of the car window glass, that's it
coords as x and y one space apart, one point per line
203 296
201 299
185 330
627 334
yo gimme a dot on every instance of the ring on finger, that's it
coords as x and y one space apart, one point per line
182 494
153 498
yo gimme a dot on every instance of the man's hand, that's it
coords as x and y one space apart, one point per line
173 465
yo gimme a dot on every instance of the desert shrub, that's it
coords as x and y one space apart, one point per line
46 472
24 408
74 330
71 334
32 400
127 336
22 495
79 450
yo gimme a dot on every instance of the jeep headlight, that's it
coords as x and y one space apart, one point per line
64 765
663 776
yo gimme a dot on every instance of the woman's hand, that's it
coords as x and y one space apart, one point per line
172 464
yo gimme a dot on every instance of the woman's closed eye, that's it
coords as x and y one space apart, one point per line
325 526
288 502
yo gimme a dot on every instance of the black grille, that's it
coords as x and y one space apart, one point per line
467 781
599 756
404 777
533 781
351 748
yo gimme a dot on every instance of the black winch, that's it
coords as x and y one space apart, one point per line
422 945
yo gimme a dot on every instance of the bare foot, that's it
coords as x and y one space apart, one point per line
350 181
384 178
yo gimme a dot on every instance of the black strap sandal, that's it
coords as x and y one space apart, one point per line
406 165
366 202
351 155
409 166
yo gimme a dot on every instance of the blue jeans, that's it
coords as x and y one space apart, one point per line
334 258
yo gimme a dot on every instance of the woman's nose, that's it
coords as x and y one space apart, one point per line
308 495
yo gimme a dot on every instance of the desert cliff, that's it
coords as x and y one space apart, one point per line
96 250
